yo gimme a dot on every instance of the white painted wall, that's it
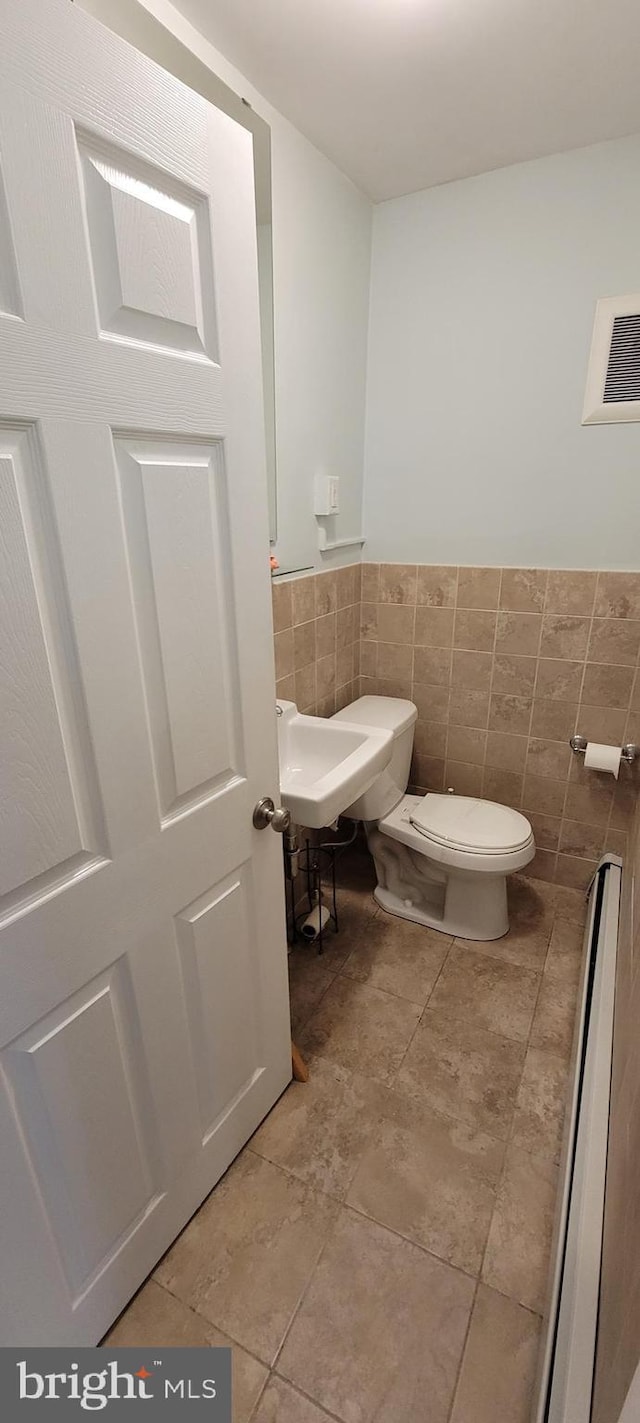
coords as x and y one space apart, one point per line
483 295
321 257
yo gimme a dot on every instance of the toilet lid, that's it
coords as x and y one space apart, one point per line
469 824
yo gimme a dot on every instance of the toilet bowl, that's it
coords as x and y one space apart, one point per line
441 860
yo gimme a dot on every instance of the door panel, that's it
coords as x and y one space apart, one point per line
143 1001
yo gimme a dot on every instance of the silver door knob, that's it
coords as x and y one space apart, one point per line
265 814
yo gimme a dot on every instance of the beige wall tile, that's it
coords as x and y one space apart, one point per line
512 714
518 633
555 720
468 707
303 597
430 738
368 659
283 648
434 627
325 677
571 592
574 872
437 585
463 778
432 701
506 751
394 660
607 686
394 687
325 635
505 787
370 582
428 772
346 627
559 679
475 629
602 724
305 688
432 664
590 802
522 590
369 621
514 675
471 670
548 758
542 866
527 666
304 644
618 595
396 622
478 587
326 594
398 583
286 689
543 795
615 641
546 829
344 665
466 743
347 585
564 637
587 841
282 606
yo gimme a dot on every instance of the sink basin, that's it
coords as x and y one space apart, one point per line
325 765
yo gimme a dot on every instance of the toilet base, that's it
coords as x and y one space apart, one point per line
471 910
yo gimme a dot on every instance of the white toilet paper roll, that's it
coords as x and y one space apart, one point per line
603 758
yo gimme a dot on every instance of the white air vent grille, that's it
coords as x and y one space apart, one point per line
613 379
623 370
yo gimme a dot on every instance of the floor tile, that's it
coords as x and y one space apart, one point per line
319 1129
570 903
432 1180
361 1028
381 1329
308 984
525 945
280 1403
530 902
245 1258
155 1319
539 1116
468 1073
554 1018
500 1360
517 1256
398 957
476 989
564 957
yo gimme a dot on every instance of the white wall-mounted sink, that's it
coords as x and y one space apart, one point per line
325 765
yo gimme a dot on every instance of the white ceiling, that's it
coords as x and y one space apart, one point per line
402 94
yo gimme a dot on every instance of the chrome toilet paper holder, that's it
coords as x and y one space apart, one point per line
629 752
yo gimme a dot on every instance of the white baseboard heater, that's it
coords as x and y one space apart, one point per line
568 1353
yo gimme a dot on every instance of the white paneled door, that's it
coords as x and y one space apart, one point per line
143 1000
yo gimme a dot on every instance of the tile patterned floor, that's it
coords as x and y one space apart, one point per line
378 1253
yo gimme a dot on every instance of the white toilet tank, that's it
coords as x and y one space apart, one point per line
390 714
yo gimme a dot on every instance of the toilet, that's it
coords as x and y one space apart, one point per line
441 860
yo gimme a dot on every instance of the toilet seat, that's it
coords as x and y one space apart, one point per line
464 823
402 824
